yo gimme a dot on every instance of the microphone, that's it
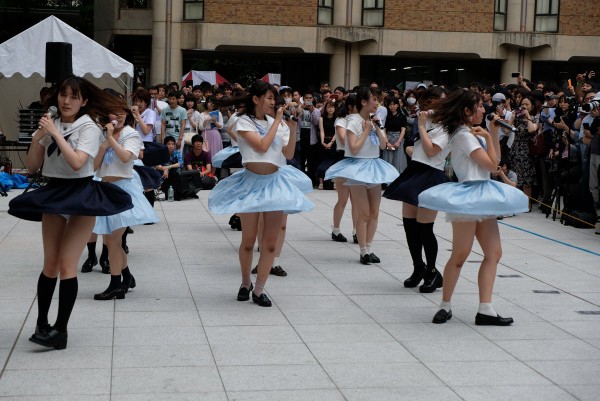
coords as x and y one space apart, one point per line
378 121
52 110
114 123
504 125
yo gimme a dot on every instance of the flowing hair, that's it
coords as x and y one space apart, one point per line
244 103
99 103
450 111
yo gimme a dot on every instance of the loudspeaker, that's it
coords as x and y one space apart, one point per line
59 61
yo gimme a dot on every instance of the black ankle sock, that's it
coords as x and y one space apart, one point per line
104 254
115 282
91 247
150 196
413 238
124 239
67 294
45 290
126 274
429 242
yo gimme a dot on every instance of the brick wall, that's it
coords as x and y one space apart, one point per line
437 15
579 17
261 12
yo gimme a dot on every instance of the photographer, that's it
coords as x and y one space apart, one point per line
499 108
583 124
595 151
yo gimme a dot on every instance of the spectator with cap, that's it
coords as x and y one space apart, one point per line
507 137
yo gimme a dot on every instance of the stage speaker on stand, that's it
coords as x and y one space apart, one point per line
59 61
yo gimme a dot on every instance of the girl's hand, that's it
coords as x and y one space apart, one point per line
279 113
478 131
47 125
367 126
135 111
423 117
110 129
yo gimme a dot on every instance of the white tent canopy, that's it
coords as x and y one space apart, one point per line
23 67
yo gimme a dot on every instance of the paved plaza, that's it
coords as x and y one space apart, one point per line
337 330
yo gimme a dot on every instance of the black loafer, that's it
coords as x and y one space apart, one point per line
107 295
442 316
88 265
42 328
278 271
244 293
354 238
375 258
487 320
261 300
105 265
338 237
365 259
52 339
416 277
432 281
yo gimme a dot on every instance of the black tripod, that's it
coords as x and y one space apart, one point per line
557 167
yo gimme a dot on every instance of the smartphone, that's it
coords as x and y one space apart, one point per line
586 126
515 74
333 97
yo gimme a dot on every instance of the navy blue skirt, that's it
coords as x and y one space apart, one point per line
150 177
416 178
73 196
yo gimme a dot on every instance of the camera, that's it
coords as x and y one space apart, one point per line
515 74
590 106
519 112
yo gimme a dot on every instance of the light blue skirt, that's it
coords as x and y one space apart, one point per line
141 213
247 192
297 178
475 198
222 155
366 171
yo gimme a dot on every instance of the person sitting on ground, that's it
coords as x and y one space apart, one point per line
200 161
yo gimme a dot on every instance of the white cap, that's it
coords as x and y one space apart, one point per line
421 85
498 97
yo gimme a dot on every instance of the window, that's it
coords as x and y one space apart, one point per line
325 12
372 12
499 15
193 9
546 16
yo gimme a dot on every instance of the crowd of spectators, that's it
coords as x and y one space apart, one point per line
553 148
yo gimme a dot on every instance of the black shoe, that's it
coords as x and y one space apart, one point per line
354 238
107 295
129 284
442 316
88 265
255 270
416 277
261 300
52 338
278 271
42 328
338 237
105 265
365 259
244 293
374 258
432 281
487 320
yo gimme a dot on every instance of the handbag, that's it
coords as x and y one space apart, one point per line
537 145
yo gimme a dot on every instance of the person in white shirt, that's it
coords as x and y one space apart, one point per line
262 186
473 203
68 203
114 164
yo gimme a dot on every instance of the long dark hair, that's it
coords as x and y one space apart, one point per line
244 103
450 111
430 97
99 103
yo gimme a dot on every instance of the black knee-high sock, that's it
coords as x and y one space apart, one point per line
91 247
150 196
104 254
67 294
45 290
413 238
429 242
124 239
